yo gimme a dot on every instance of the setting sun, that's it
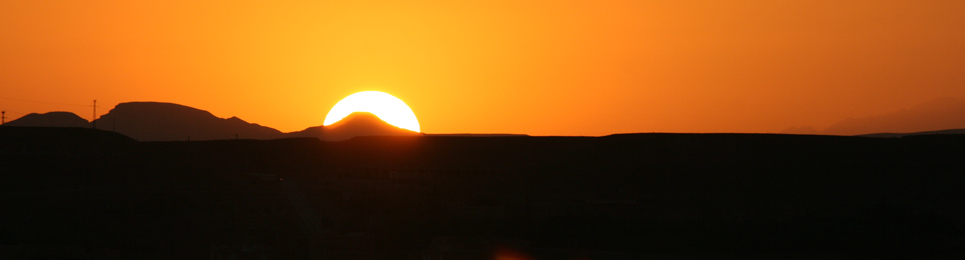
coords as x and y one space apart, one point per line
612 129
390 109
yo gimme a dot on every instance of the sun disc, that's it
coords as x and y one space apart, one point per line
390 109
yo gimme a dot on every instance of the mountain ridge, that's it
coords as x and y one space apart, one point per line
162 121
50 119
935 115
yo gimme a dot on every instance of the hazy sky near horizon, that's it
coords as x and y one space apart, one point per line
532 67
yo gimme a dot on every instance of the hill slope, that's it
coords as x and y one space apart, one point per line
355 124
50 119
155 121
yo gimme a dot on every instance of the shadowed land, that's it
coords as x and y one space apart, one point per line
676 196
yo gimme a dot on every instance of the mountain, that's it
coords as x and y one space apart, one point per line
938 114
355 124
939 132
51 119
155 121
315 131
945 113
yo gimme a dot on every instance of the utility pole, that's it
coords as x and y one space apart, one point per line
93 120
3 117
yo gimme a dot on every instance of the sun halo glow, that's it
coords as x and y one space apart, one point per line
390 109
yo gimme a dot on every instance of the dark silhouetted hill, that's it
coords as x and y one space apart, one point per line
155 121
315 131
355 124
50 119
938 114
158 121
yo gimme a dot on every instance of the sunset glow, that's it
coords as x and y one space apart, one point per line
390 109
525 67
495 129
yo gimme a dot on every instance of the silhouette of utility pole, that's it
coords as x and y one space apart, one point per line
3 117
93 120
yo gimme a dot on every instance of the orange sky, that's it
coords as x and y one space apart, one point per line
533 67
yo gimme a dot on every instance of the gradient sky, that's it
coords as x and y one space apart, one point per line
533 67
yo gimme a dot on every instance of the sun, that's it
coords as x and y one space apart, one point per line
390 109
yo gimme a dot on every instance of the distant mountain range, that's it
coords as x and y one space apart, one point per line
156 121
936 115
939 132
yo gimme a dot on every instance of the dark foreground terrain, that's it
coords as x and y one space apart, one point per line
71 193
